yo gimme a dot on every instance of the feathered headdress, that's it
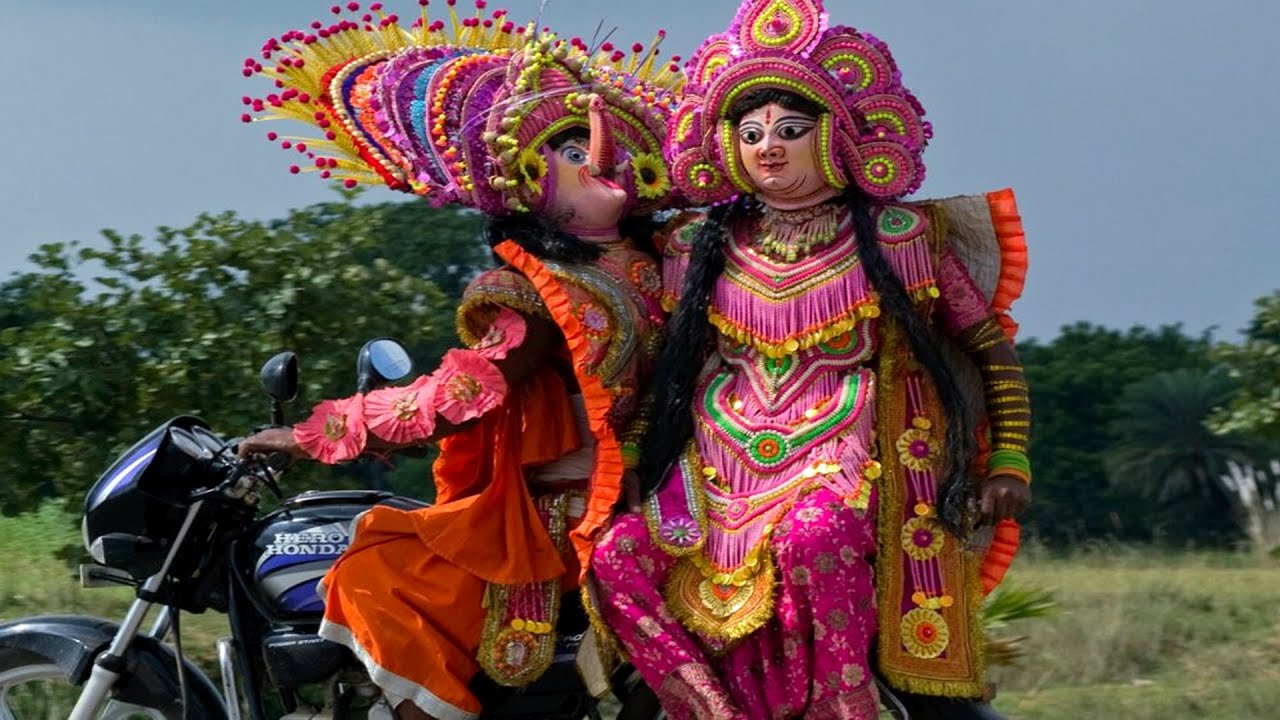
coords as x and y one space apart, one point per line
458 112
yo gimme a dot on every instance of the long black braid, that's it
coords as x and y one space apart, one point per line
688 343
689 337
926 346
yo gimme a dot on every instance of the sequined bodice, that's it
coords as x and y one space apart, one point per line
790 330
788 401
793 338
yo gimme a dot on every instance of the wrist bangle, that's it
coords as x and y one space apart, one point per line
1004 460
1025 477
630 456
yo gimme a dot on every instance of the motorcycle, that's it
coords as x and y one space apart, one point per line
177 517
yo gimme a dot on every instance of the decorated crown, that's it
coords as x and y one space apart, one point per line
871 132
458 112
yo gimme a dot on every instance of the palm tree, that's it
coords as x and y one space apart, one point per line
1007 604
1166 452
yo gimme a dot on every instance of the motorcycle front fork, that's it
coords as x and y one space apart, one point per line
108 666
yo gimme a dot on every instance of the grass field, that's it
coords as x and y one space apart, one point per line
1139 634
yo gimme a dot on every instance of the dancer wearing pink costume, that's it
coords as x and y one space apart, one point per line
811 471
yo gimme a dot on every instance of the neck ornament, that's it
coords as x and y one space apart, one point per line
790 235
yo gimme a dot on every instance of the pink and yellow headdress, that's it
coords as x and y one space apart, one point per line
872 132
458 112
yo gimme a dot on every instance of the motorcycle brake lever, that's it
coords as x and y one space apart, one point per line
276 463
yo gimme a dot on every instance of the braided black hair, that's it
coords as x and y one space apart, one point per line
926 346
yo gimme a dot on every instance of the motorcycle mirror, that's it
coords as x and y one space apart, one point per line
279 377
381 361
188 444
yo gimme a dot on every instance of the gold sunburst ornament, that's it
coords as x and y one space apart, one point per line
925 633
922 538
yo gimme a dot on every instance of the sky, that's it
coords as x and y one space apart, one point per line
1139 135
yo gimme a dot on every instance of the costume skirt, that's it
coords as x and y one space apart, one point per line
809 660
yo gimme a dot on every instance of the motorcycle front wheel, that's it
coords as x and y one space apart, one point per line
32 688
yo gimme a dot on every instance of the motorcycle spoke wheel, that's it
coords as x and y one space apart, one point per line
40 692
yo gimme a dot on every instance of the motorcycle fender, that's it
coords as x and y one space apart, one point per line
150 678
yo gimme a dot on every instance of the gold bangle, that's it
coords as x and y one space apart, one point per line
1005 397
1007 435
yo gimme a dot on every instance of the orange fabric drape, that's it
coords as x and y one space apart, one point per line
1013 276
484 520
606 477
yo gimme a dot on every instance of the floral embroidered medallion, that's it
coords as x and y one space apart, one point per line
917 448
925 633
922 538
518 641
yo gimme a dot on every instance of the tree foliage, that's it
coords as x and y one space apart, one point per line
1077 383
100 344
1255 365
1166 453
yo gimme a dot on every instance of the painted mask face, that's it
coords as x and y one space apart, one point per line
584 205
778 151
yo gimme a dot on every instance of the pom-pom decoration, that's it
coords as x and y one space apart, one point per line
467 386
335 432
402 415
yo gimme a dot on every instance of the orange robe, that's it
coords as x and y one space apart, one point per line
408 596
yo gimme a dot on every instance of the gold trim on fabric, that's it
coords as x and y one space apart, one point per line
691 476
515 651
844 323
721 612
958 670
604 288
470 319
609 649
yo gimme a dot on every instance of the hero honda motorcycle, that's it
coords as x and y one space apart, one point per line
177 518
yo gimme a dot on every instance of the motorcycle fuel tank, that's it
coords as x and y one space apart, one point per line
295 545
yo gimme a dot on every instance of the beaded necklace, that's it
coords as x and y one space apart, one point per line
792 234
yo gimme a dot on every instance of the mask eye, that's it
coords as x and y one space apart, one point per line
793 132
750 136
573 155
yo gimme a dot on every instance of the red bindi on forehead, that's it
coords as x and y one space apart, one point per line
768 113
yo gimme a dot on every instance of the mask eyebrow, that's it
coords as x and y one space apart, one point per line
795 120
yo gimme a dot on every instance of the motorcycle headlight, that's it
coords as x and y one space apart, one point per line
94 548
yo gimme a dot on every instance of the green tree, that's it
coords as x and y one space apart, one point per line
98 345
1076 383
1166 452
1255 365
